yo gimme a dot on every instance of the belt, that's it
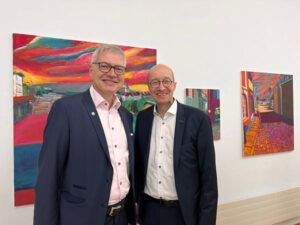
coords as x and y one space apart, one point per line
116 209
163 202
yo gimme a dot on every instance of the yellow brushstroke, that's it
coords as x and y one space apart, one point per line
132 52
129 75
142 60
35 79
139 87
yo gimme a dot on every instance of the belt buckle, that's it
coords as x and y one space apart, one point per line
114 209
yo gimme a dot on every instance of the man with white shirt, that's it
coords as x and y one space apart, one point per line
175 159
86 170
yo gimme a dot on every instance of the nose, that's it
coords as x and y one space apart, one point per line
112 73
161 86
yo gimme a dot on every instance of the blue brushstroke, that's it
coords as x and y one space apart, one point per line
143 67
26 165
70 73
62 57
51 43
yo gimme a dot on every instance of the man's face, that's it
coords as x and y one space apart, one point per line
107 83
161 85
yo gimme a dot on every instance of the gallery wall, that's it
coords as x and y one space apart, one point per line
206 42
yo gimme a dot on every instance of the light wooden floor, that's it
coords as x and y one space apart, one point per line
295 221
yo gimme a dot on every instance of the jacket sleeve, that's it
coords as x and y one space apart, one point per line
51 163
208 177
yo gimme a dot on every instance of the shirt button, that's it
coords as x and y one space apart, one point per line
112 128
163 123
159 182
119 163
159 167
116 146
160 152
161 137
120 183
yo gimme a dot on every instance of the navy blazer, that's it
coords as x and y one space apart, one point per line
194 163
75 171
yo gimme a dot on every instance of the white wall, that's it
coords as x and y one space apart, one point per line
206 42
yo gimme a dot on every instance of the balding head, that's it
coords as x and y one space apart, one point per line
161 86
162 70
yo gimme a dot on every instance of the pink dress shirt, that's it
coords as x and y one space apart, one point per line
117 145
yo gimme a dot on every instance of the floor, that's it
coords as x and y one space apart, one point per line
295 221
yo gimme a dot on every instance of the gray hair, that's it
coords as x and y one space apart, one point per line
107 47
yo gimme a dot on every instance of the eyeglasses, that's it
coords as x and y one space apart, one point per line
156 83
106 67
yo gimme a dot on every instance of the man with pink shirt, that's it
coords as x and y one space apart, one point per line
86 163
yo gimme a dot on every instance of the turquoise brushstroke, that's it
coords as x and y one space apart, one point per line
62 57
51 43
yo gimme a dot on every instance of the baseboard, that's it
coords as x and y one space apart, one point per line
264 210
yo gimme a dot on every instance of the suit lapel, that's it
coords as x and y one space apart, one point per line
179 130
129 135
91 109
148 130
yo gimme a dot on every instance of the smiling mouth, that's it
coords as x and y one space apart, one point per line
161 94
114 81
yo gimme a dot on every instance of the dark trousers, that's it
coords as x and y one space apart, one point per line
155 214
120 219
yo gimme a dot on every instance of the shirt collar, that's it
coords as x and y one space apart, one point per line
171 111
100 101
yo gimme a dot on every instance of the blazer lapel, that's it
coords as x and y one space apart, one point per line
147 130
129 135
179 130
91 109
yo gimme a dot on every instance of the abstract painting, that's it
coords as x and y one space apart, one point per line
267 108
208 100
46 69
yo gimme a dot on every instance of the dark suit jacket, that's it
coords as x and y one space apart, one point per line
194 163
75 171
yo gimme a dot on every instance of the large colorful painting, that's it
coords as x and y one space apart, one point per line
267 106
208 100
46 69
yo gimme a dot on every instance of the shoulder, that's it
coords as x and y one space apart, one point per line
122 109
146 112
71 98
67 103
194 117
191 111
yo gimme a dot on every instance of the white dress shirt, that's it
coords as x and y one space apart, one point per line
160 181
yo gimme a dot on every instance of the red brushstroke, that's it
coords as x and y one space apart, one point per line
24 197
18 99
22 40
30 130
